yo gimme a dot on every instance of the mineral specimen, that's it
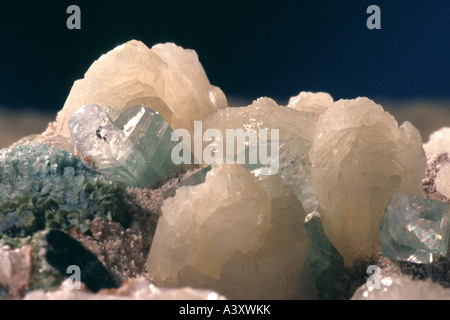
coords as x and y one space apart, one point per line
62 252
136 289
439 141
295 131
402 288
360 158
135 148
327 265
43 187
42 261
315 102
132 74
443 181
15 269
235 234
414 229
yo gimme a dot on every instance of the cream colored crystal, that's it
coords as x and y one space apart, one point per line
315 102
235 234
166 78
443 181
360 158
438 142
295 137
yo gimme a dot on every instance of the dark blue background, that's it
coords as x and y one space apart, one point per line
248 48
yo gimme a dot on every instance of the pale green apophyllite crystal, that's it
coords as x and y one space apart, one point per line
414 229
136 148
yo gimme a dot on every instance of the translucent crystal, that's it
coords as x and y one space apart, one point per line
132 74
295 138
399 287
135 149
439 141
235 234
315 102
322 256
413 229
443 181
360 158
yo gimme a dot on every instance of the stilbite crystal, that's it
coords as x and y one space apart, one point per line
132 74
315 102
360 158
235 234
443 181
414 229
439 141
295 138
135 149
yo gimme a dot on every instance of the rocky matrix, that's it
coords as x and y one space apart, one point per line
101 192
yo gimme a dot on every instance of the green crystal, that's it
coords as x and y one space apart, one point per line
327 265
44 187
415 229
135 148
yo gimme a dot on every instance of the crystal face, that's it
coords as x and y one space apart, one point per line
235 234
295 138
413 229
443 181
132 74
314 102
135 148
360 158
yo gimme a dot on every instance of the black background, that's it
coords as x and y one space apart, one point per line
248 48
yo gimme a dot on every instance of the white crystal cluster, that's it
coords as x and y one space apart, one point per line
360 158
238 235
399 287
166 78
132 289
439 141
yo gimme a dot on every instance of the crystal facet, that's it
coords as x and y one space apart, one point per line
360 158
295 138
235 234
135 149
315 102
413 229
443 181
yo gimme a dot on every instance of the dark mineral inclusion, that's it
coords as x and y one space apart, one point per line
63 251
